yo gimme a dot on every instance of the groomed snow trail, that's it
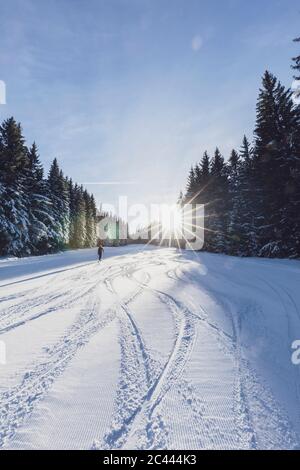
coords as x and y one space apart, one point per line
150 349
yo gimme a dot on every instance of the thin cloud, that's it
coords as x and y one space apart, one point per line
197 43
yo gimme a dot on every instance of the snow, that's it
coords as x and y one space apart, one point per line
151 348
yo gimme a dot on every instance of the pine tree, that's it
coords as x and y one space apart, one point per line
289 224
218 214
275 157
247 202
191 184
72 214
14 154
234 216
93 214
36 167
59 195
41 216
205 166
80 218
204 196
14 222
90 220
198 176
202 175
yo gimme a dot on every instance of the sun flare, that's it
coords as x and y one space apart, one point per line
171 219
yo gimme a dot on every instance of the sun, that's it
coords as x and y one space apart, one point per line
171 219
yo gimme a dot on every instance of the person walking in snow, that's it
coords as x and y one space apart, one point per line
100 251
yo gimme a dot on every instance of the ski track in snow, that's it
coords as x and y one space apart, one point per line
253 398
17 403
166 401
140 419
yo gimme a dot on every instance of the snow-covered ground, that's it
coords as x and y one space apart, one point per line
151 348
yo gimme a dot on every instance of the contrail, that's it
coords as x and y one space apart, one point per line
110 183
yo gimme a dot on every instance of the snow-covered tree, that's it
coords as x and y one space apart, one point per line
234 215
14 216
276 157
218 204
42 234
39 215
90 220
59 196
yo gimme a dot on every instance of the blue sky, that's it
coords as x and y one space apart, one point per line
133 91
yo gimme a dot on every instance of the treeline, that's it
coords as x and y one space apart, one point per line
39 214
252 201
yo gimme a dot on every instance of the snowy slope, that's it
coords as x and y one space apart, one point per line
152 348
